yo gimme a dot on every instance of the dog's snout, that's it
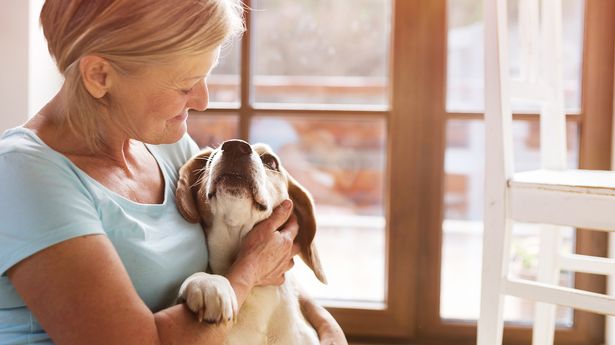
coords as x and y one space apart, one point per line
236 148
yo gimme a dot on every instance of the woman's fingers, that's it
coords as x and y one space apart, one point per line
270 250
280 215
291 227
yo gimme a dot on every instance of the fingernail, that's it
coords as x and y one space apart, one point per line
286 204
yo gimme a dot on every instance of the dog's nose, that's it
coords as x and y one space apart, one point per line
236 148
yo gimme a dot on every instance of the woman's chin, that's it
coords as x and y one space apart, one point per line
171 139
169 136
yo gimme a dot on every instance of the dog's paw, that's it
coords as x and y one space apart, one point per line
210 297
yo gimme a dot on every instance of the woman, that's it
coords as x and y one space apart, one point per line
92 248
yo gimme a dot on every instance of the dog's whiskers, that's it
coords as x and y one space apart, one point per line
201 173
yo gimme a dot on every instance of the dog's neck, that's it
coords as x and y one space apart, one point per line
223 242
229 226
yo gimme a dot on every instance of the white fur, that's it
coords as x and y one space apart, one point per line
210 296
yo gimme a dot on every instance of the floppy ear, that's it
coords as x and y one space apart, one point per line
303 207
189 196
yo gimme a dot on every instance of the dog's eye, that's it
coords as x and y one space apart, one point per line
269 161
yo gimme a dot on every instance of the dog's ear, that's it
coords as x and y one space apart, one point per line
191 177
303 206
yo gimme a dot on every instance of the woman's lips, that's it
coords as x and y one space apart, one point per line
181 117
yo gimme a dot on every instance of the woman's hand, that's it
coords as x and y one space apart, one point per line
266 253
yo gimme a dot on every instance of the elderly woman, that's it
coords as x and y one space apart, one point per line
92 247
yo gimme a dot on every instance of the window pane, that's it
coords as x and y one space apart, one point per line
342 163
209 129
320 51
465 84
462 226
224 81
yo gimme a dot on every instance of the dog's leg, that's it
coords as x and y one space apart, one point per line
210 297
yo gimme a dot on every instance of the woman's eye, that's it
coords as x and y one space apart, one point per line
269 161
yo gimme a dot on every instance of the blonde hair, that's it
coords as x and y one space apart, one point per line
130 34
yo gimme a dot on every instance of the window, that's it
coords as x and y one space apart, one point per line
376 107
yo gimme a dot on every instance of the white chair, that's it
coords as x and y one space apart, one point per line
553 196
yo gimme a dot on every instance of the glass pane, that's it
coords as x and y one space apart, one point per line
209 129
321 51
224 81
462 226
465 85
343 164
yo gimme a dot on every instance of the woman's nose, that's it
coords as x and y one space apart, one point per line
200 97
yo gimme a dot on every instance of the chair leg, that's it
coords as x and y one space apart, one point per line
496 256
548 273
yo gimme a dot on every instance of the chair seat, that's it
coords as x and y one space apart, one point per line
578 198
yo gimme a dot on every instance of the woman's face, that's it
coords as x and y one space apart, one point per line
153 107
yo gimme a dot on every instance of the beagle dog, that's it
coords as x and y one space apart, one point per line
228 190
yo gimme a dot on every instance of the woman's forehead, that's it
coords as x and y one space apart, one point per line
192 68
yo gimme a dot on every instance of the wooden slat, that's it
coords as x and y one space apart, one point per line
529 38
587 264
590 182
579 198
535 205
578 299
553 150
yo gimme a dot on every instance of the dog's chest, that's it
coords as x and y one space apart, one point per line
271 316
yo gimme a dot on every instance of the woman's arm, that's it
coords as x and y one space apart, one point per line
329 331
81 294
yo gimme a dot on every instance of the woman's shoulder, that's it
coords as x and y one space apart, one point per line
24 143
19 139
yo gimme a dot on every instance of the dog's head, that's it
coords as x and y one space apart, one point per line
240 184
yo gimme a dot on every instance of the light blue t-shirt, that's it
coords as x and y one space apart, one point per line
46 199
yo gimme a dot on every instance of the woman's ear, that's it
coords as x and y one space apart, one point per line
303 206
190 203
95 72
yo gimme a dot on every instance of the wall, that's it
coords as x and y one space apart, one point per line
14 21
44 80
28 77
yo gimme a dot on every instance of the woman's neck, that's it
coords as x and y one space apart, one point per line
48 124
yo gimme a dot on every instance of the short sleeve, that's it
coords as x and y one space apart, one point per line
42 203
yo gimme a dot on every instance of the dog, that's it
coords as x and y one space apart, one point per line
228 190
